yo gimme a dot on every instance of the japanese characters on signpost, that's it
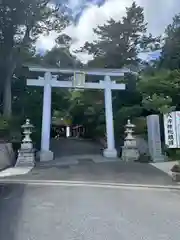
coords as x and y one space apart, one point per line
171 132
172 129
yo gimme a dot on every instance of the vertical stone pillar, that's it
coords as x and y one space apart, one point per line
46 154
154 138
110 152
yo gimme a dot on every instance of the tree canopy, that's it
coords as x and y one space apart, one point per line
119 42
171 50
155 89
21 22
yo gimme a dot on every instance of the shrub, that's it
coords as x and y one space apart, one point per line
173 154
141 125
4 129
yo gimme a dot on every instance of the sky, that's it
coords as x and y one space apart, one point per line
91 13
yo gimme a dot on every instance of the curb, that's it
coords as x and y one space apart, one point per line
89 184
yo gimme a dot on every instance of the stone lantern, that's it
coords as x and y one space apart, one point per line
27 131
130 151
26 154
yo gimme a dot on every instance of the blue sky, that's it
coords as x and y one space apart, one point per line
91 13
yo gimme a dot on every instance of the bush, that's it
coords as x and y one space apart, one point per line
173 154
100 130
4 129
15 129
3 123
10 130
141 125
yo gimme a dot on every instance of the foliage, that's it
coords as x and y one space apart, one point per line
4 129
171 49
100 130
4 125
173 154
21 22
141 126
10 129
61 55
160 91
118 42
58 57
129 112
157 104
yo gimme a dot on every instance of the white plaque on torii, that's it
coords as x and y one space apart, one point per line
79 80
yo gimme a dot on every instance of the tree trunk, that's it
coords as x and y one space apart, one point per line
1 98
1 88
7 101
7 94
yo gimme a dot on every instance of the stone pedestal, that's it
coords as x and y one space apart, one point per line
130 154
176 176
46 156
130 151
26 158
110 153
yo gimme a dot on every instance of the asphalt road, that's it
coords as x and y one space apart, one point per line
47 212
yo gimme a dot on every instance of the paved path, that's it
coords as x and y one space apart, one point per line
88 213
69 147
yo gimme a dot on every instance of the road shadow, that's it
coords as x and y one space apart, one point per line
11 196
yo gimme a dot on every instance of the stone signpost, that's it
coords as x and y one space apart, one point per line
172 129
154 138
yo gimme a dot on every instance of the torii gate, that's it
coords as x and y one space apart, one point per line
49 81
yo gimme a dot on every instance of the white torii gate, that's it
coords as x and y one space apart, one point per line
49 81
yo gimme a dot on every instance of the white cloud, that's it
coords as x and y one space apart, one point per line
75 3
94 16
46 41
158 13
91 18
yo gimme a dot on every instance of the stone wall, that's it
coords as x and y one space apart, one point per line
7 156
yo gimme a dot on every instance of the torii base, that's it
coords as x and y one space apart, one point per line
46 156
110 153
